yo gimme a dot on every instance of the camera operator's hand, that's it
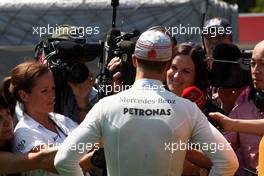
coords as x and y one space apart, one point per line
224 121
116 80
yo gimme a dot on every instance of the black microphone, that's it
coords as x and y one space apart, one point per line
130 35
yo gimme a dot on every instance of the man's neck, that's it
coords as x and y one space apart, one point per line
141 75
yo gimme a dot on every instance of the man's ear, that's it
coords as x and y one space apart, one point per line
134 60
23 95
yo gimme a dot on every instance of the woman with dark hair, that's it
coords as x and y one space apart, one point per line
187 69
5 92
6 126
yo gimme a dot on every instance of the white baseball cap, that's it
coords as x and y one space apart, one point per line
154 46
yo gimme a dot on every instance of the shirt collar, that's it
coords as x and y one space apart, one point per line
32 122
148 84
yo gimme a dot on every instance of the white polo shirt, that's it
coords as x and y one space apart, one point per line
29 134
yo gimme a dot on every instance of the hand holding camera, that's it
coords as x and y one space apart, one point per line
112 66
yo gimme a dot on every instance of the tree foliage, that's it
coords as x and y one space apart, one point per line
247 6
259 6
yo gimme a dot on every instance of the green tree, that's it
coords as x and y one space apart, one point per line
259 6
244 6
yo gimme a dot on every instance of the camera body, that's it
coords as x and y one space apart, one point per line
67 59
116 45
231 67
121 46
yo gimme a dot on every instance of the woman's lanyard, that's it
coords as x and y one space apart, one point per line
58 127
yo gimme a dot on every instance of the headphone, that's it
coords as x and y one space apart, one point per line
257 96
258 99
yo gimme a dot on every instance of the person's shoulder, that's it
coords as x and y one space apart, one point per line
24 134
245 110
22 128
178 99
244 106
24 123
183 105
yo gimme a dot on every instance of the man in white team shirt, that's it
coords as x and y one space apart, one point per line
146 129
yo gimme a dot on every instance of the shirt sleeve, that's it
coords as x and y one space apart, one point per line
70 124
213 144
25 140
78 143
